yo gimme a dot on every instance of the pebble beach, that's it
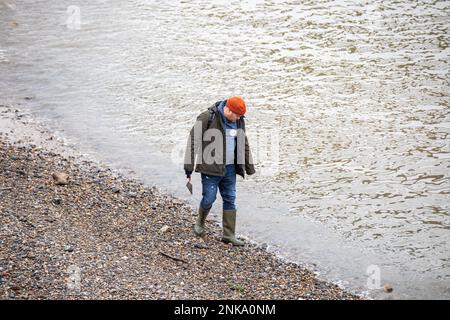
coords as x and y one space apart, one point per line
73 229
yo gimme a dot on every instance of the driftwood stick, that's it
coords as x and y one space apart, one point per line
171 257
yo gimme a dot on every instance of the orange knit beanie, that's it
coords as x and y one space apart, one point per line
237 105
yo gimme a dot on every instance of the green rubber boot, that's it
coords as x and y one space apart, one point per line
199 226
229 227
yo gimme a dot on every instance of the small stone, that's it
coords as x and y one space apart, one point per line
165 229
60 178
388 288
200 246
68 248
115 190
57 201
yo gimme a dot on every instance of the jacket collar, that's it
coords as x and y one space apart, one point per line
215 108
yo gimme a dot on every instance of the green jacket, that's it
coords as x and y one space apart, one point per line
207 161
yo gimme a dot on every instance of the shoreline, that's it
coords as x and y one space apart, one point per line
107 236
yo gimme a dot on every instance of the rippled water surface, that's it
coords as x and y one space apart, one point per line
355 95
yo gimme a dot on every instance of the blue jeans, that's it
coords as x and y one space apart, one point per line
226 185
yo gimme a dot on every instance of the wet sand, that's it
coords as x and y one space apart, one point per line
106 236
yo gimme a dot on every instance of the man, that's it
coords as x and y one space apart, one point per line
219 160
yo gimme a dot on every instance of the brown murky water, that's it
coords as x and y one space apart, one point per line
355 96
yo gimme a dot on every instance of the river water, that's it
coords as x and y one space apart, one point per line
348 116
